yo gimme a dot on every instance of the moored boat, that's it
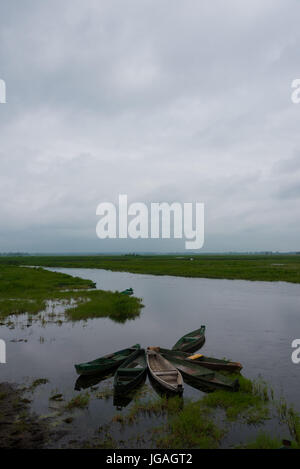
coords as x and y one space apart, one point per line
131 372
106 362
208 362
128 291
164 372
199 374
192 341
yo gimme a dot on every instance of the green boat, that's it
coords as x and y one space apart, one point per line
197 374
131 372
192 341
207 362
128 291
105 363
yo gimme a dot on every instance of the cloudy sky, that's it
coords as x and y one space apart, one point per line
161 100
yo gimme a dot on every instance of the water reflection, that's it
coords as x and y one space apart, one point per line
88 381
121 401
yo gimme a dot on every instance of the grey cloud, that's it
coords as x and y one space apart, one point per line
291 191
287 165
186 101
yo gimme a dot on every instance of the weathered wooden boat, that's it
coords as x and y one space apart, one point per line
198 374
164 372
192 341
121 400
128 291
105 363
207 362
131 372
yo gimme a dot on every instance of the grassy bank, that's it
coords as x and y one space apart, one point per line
207 422
245 267
28 290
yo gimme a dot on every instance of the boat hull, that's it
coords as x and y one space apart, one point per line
198 374
127 378
207 362
192 341
167 376
107 362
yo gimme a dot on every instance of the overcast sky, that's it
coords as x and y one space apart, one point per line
161 100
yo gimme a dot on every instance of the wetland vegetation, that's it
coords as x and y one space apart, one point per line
172 422
28 290
269 267
149 420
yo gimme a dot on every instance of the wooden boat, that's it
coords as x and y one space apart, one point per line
105 363
165 374
207 362
198 374
192 341
128 291
131 372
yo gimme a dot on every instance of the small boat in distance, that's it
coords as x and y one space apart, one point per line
163 372
128 291
207 362
192 341
131 372
108 361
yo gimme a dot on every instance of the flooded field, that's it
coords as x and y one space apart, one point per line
250 322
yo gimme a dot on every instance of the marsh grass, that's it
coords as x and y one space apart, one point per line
262 441
105 393
190 427
29 290
271 267
96 304
80 401
199 424
36 383
153 407
250 402
289 416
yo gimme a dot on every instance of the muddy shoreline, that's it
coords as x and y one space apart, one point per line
19 428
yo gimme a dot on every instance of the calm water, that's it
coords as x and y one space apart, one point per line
250 322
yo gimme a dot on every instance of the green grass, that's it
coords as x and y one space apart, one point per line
189 424
27 290
191 427
192 424
277 267
38 382
117 307
249 402
263 441
289 416
204 423
80 401
154 407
